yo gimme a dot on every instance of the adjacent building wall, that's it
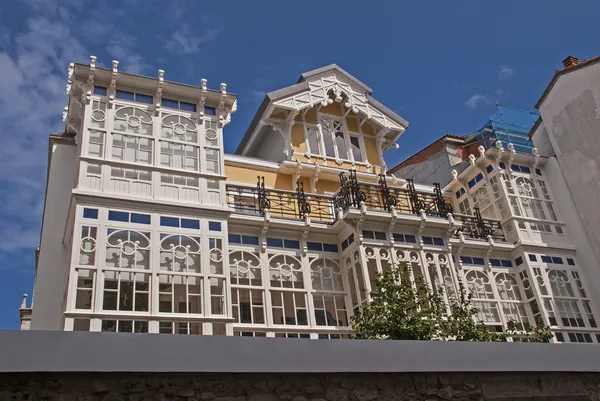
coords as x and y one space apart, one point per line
53 265
571 118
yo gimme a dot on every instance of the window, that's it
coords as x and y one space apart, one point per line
177 104
283 243
312 137
214 226
85 289
320 247
96 143
379 235
132 149
433 241
210 111
348 241
126 291
90 213
460 193
127 217
134 97
475 180
243 239
166 221
211 147
99 90
329 296
489 168
179 294
356 148
125 326
336 140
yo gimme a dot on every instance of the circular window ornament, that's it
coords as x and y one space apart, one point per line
134 121
180 252
179 129
98 115
215 255
211 134
128 247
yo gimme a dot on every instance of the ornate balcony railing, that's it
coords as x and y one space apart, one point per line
284 204
382 197
298 204
478 227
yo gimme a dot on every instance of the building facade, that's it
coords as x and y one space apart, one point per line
150 227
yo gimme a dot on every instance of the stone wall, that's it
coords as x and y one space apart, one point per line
300 387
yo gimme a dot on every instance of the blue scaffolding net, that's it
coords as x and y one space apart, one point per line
509 126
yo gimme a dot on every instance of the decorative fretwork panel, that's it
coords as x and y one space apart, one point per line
133 120
127 249
180 253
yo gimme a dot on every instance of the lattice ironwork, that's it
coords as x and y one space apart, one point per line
417 204
263 195
341 200
443 207
303 205
388 200
479 227
358 195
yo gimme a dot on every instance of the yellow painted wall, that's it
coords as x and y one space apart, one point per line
247 175
333 109
352 124
311 116
298 139
327 186
280 115
371 148
367 129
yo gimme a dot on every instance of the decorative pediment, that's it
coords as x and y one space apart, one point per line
320 91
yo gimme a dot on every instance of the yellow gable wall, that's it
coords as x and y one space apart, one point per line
248 175
299 139
275 180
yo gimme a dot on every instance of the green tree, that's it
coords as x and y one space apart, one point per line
401 309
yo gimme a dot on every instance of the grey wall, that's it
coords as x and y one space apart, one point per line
571 118
301 387
436 168
38 365
53 266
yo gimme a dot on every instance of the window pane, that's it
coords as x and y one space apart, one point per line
329 151
355 145
313 141
341 145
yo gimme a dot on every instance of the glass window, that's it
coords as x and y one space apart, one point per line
313 141
100 90
125 95
210 111
90 213
356 150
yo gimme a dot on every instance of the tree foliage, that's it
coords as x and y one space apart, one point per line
401 309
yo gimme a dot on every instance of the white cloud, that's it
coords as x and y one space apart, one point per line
506 73
189 40
476 100
32 95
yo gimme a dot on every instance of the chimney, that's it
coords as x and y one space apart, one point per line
570 61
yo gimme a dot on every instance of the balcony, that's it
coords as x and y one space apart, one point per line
282 204
479 228
295 205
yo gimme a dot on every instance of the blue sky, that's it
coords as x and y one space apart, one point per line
440 64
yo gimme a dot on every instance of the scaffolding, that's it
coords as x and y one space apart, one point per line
508 125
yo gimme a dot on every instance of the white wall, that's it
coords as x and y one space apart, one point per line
53 266
571 117
585 256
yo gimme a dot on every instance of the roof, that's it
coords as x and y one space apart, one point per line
559 73
303 85
443 138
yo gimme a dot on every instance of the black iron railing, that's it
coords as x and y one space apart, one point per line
480 228
284 204
352 194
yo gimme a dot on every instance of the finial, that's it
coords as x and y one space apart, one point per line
24 303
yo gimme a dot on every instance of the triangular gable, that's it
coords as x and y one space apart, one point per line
333 79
